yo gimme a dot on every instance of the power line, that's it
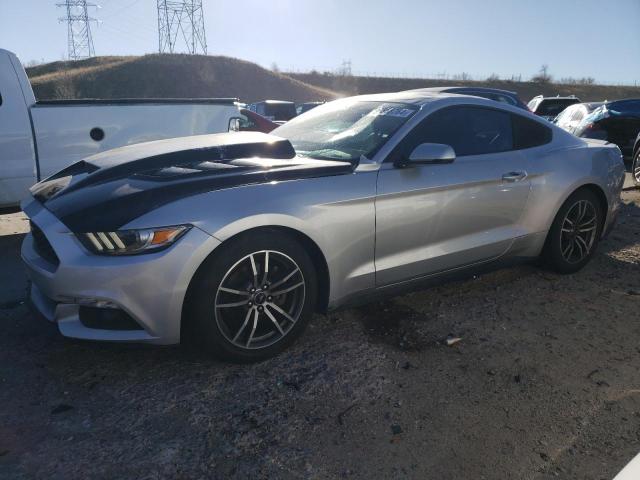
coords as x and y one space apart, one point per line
181 23
79 39
121 9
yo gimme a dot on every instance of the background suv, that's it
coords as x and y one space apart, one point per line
550 107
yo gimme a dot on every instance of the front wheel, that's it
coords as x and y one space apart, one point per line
575 232
635 169
253 298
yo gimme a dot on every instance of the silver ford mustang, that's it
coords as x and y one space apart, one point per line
234 240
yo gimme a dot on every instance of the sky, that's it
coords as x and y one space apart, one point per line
421 38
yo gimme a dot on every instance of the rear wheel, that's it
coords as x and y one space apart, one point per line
253 298
635 169
575 232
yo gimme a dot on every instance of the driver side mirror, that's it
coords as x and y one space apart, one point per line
430 153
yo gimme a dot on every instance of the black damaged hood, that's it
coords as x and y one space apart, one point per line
108 190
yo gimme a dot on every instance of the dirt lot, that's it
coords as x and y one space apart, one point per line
545 383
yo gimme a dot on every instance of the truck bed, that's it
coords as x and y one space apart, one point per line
138 101
66 131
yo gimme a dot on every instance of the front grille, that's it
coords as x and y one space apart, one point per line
42 245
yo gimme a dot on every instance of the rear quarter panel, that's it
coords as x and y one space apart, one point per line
560 169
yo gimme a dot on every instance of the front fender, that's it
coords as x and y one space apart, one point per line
266 220
337 213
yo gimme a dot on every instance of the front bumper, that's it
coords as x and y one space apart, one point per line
149 288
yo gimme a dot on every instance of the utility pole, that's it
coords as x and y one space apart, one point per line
181 23
80 42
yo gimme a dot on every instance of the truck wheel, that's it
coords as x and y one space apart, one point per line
575 232
253 298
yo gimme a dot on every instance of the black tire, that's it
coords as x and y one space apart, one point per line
212 326
557 239
635 169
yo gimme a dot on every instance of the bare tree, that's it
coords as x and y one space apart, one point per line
543 75
464 76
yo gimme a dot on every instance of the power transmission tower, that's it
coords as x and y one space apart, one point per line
78 28
345 69
181 20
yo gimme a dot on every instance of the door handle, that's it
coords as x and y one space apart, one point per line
514 176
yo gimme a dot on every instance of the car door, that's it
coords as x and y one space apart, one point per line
436 217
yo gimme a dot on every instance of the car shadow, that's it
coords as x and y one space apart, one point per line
626 230
13 277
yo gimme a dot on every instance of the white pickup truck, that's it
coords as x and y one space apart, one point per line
40 138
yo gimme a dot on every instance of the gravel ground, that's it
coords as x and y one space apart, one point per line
545 383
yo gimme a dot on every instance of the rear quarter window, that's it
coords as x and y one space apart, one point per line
528 133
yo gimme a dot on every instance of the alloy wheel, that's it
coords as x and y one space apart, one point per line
579 229
636 169
260 299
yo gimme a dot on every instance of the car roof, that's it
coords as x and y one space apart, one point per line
627 106
569 97
624 101
592 105
414 97
278 101
273 102
454 89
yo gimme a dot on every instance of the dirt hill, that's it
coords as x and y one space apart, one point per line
168 76
526 90
196 76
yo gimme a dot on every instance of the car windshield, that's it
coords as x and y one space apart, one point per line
345 130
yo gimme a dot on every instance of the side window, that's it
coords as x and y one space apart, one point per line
528 133
468 130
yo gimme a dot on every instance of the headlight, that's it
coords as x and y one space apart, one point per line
131 242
